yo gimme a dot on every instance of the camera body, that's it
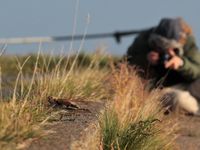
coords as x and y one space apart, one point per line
163 57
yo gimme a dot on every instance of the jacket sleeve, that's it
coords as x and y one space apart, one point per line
191 68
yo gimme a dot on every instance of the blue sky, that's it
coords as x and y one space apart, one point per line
22 18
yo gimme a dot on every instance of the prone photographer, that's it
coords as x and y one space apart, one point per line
169 57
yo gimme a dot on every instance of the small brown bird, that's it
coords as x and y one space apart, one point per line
63 103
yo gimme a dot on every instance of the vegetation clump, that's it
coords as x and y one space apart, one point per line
134 119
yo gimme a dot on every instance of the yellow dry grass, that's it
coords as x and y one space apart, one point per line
134 119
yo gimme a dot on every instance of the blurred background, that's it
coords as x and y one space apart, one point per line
35 18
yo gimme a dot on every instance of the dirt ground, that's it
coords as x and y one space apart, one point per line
189 132
72 127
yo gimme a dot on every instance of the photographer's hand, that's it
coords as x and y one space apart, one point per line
175 62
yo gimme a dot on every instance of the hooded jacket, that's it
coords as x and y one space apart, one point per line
190 71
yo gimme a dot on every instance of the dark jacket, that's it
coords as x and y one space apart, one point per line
137 55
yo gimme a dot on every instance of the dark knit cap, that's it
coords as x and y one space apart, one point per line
169 28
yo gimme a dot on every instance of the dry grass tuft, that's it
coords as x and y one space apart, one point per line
135 118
